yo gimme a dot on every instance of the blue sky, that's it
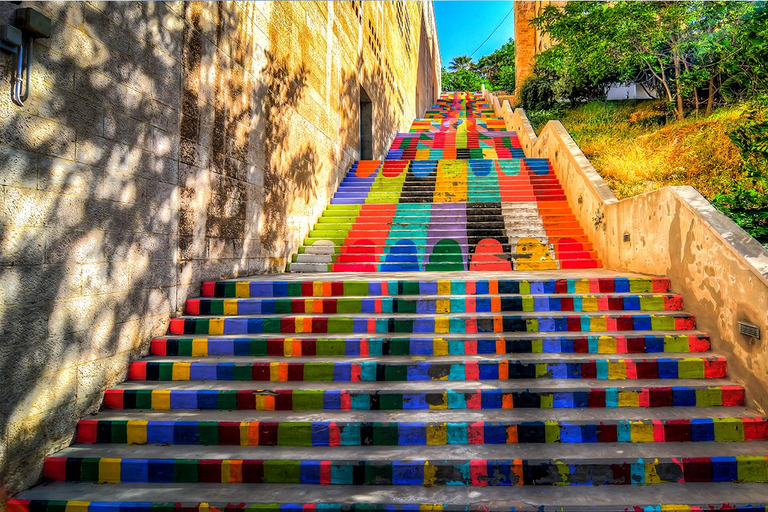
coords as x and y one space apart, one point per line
462 27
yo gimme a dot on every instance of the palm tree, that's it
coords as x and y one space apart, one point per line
460 62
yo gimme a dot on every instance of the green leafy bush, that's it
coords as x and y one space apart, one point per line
747 201
536 93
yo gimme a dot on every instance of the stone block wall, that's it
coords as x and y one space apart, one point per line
165 143
529 42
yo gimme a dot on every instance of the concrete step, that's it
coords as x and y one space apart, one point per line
396 198
423 254
574 416
199 497
385 369
475 465
523 393
347 241
442 185
437 304
345 238
504 265
444 345
406 283
380 428
326 323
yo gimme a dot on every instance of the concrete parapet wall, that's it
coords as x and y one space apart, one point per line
720 270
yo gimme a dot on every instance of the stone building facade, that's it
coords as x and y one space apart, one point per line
529 42
165 143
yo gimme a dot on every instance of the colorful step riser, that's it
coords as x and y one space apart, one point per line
458 241
429 324
460 196
456 153
492 143
426 473
422 187
402 263
427 187
449 254
332 400
330 347
477 170
468 304
253 289
388 254
370 371
15 505
324 433
402 190
493 264
480 171
409 140
459 152
396 247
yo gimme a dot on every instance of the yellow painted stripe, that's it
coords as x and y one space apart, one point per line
216 326
180 371
161 399
136 432
109 471
242 289
440 347
77 506
199 347
230 307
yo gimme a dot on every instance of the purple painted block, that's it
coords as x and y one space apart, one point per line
235 325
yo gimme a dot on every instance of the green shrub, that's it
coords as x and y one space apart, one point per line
536 93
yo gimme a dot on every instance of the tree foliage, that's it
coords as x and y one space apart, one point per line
692 53
496 70
461 80
460 62
747 200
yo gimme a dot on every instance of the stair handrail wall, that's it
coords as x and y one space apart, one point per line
720 270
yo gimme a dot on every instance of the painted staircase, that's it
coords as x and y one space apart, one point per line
455 193
388 389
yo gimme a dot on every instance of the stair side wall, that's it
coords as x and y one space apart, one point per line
165 143
719 269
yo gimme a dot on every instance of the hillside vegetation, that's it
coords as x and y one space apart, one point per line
636 149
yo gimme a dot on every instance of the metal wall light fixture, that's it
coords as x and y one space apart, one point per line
18 39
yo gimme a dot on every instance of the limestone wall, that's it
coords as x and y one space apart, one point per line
719 269
529 42
165 143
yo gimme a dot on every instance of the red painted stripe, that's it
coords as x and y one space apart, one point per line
193 306
137 370
208 289
158 347
17 505
176 326
325 472
86 431
478 472
113 399
55 468
715 369
733 395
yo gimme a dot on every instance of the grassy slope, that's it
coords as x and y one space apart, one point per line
632 148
